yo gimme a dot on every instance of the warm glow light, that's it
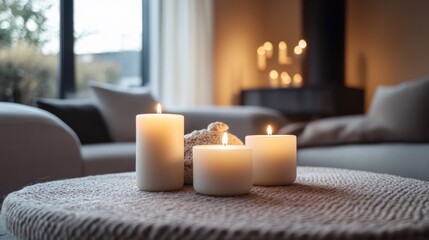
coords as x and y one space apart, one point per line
269 130
268 47
286 79
274 74
225 139
261 51
302 43
297 50
297 80
282 45
262 60
158 108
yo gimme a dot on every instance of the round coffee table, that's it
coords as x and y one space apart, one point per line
324 203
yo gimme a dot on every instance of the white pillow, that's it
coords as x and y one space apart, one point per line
119 107
403 109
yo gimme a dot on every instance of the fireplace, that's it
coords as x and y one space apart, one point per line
324 93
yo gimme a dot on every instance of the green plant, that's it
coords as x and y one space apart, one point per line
23 20
26 73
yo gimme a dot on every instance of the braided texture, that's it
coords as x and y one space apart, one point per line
323 204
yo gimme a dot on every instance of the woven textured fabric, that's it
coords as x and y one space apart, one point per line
323 204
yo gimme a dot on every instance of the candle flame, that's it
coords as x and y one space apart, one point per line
297 78
297 50
158 108
268 46
286 79
261 51
282 45
225 139
302 43
274 74
269 130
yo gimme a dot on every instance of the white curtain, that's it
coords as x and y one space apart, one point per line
181 35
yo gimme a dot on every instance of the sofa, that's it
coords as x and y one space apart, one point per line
73 138
392 137
66 140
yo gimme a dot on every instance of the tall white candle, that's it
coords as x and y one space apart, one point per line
274 76
283 58
274 158
268 46
222 170
159 151
262 60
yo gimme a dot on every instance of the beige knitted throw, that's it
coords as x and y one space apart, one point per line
323 204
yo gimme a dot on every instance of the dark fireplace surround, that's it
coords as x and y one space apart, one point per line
324 93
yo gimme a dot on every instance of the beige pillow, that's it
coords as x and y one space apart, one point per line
397 114
403 109
337 130
119 107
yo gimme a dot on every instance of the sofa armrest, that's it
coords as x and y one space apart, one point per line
242 120
35 146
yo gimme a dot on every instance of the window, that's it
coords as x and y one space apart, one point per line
29 44
108 42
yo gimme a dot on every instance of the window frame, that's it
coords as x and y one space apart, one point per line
67 68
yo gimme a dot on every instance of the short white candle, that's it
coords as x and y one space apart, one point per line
222 170
274 158
297 80
159 151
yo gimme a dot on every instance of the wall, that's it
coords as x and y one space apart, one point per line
387 42
240 27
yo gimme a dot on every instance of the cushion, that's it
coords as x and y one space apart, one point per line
119 107
108 158
337 130
397 114
82 116
403 109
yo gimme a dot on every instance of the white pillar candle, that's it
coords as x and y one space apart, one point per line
274 158
274 76
159 151
222 170
283 58
268 46
262 60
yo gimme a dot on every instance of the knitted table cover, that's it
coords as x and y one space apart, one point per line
323 203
